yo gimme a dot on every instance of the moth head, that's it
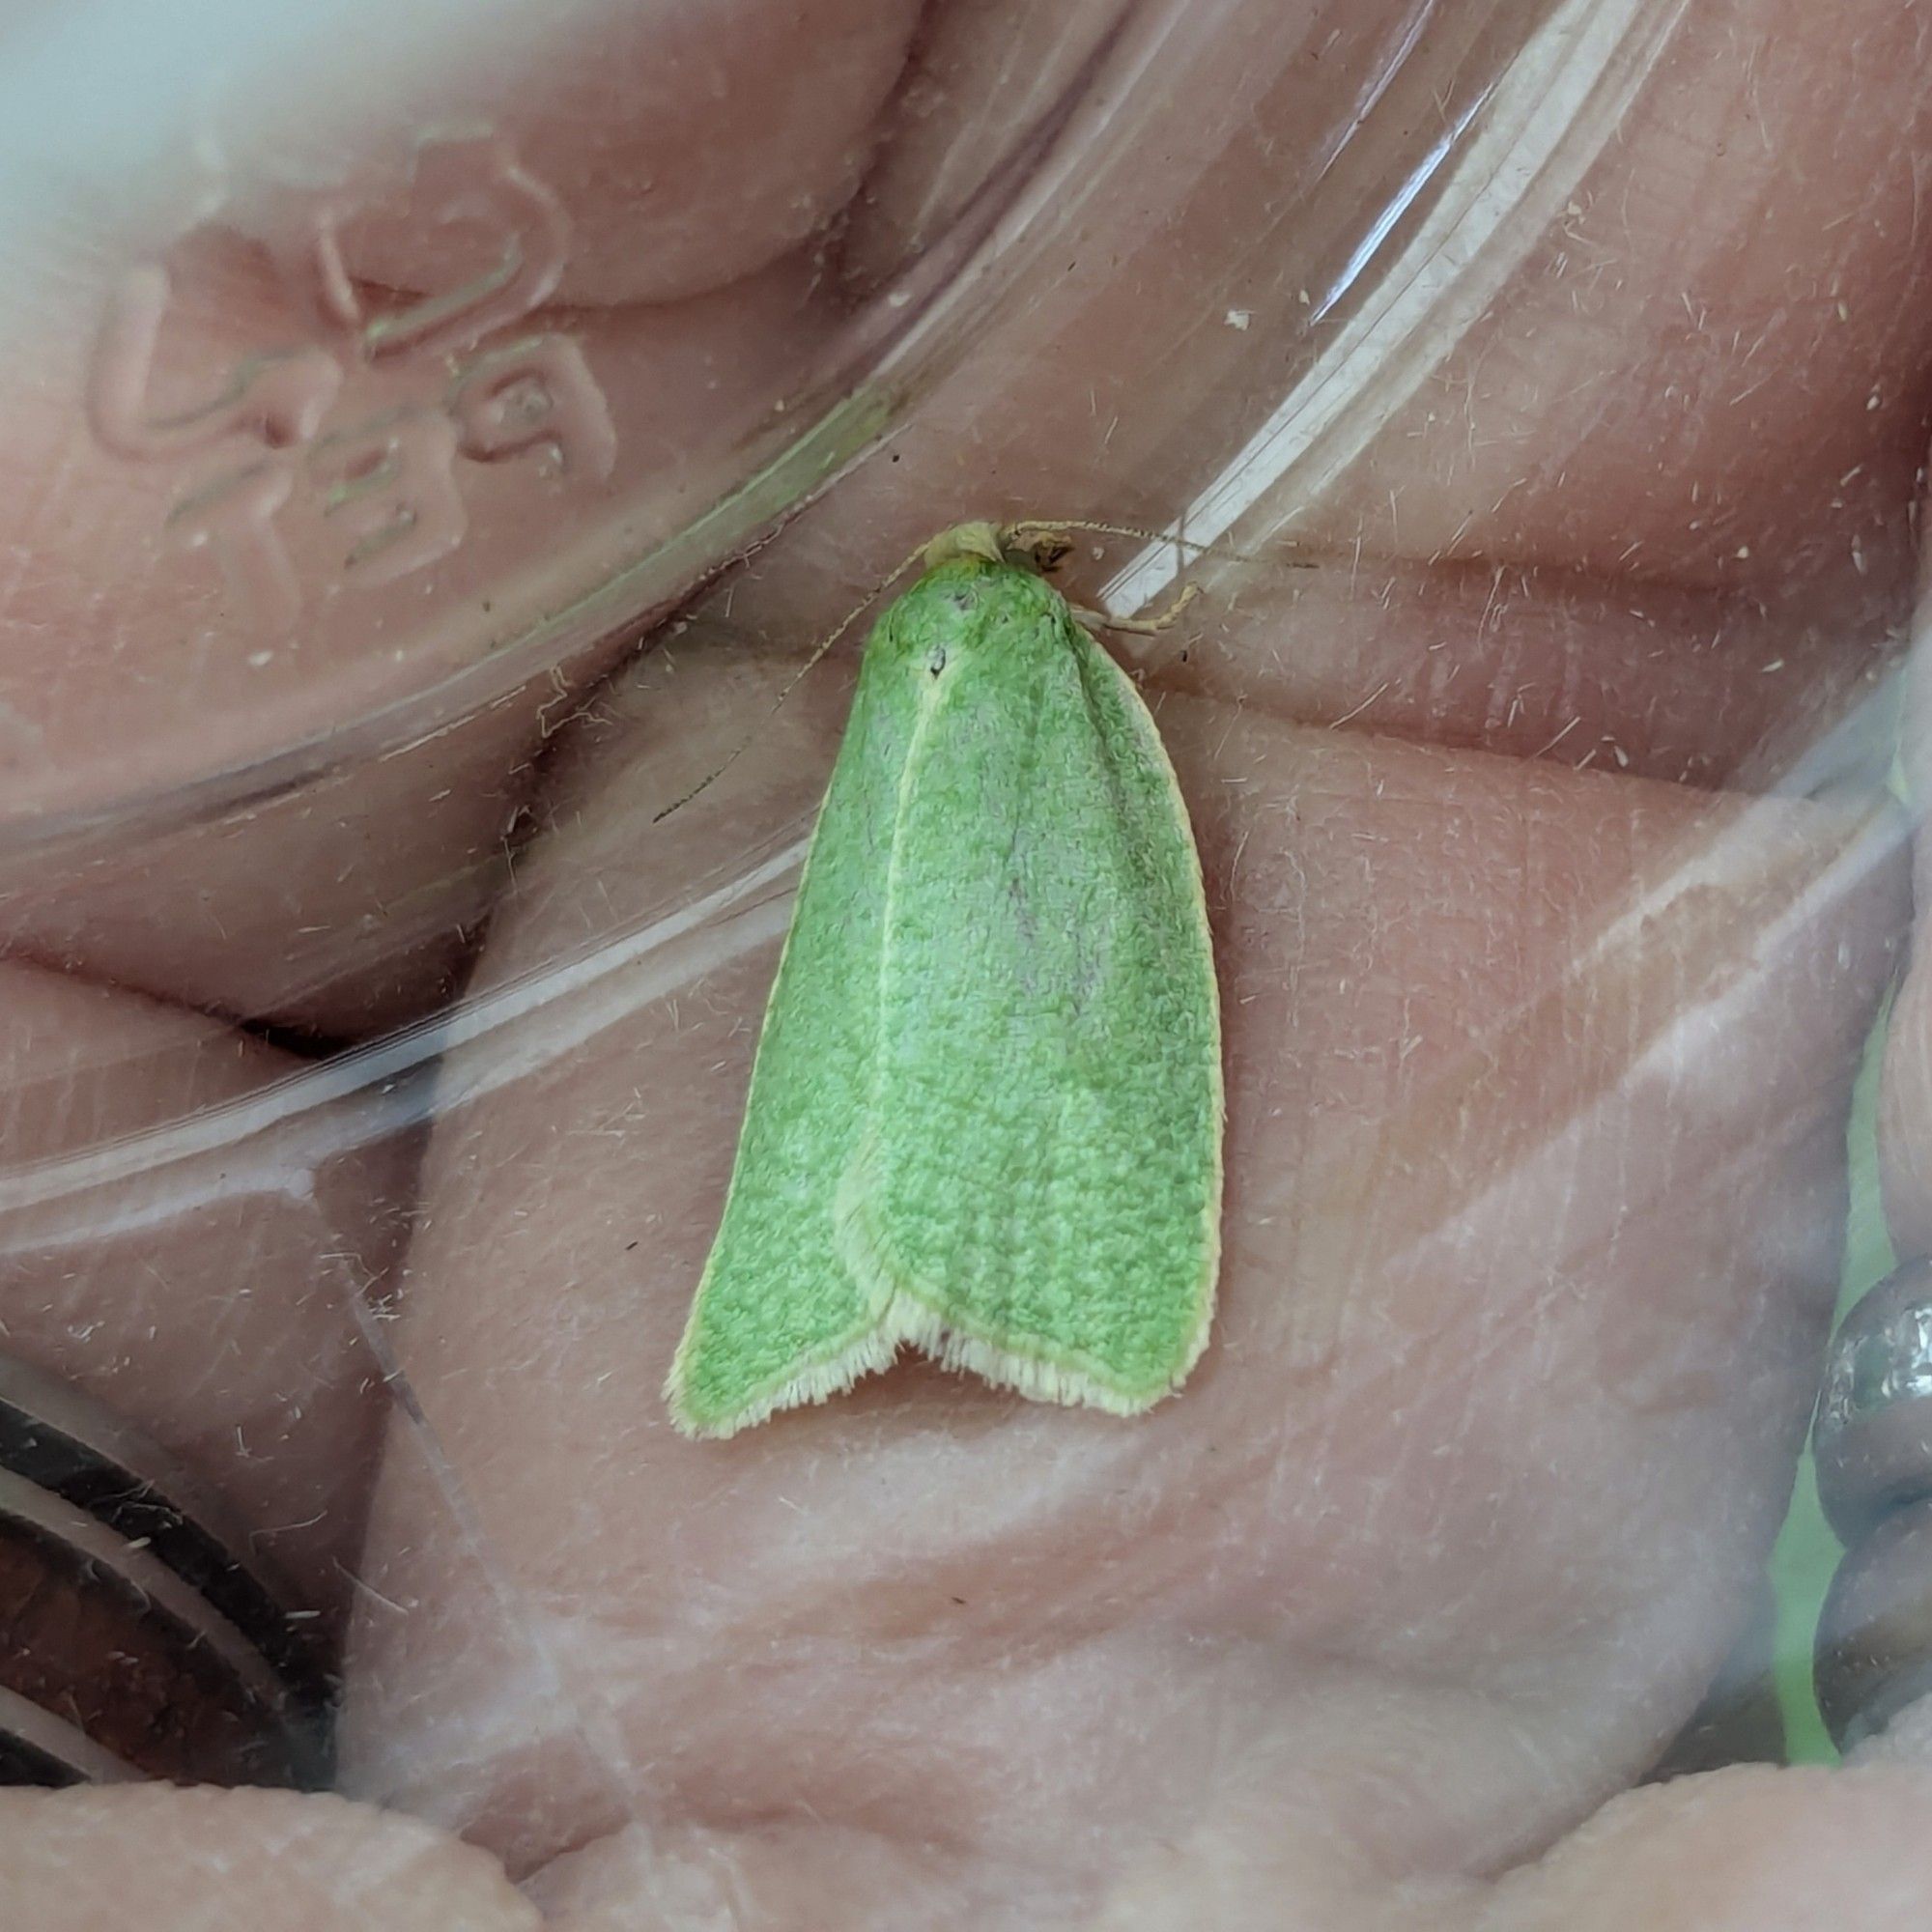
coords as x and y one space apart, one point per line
981 540
1042 550
1025 545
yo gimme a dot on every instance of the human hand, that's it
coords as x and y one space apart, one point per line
1543 1007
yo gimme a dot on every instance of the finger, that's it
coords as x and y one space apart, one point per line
663 1881
1667 1364
1738 1848
343 899
1770 1850
984 77
182 1239
1537 1088
307 569
688 146
227 1861
1716 500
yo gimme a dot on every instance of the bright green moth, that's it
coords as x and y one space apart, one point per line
985 1116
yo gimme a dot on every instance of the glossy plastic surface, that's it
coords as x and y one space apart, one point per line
433 437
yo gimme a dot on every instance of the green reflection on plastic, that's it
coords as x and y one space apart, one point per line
1807 1551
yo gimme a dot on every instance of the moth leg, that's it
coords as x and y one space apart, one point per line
1142 627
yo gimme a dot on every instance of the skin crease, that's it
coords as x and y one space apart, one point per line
1537 1076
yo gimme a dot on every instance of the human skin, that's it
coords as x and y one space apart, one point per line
1541 1017
341 905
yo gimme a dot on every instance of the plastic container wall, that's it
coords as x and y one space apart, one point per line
439 437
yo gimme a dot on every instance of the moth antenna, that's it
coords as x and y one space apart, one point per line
792 683
1042 527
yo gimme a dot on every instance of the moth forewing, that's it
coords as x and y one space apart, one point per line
993 1042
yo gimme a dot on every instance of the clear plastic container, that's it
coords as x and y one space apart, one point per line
439 436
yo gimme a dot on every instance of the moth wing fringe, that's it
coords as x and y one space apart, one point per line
908 1321
818 1383
914 1322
